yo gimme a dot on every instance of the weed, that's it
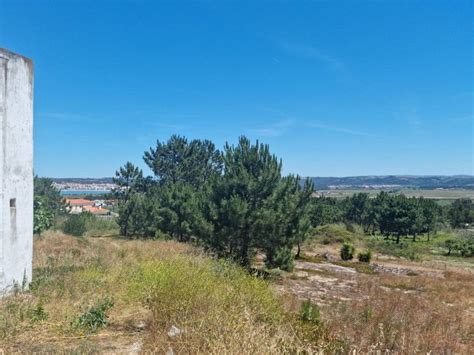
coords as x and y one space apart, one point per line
95 317
309 312
38 313
367 313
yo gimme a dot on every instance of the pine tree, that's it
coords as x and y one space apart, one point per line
251 206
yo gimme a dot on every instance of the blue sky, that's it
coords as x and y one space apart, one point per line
335 87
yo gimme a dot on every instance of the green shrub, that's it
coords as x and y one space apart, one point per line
365 257
283 259
309 312
75 225
333 233
461 246
94 318
466 249
347 251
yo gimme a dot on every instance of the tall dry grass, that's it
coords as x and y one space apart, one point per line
407 314
217 306
153 285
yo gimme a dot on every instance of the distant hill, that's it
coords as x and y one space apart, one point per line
394 181
350 182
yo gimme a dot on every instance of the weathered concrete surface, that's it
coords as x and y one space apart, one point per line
16 170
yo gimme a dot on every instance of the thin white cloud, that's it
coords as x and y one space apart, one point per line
63 116
323 126
303 50
274 130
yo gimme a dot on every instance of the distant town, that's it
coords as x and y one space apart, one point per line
84 186
386 182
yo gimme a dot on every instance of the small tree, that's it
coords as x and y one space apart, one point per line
460 212
365 257
347 251
43 217
129 180
50 195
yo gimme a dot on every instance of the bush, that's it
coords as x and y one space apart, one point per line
462 246
365 257
75 225
333 233
347 251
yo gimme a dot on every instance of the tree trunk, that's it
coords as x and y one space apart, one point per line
297 256
244 252
398 238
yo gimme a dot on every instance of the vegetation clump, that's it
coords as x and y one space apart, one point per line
95 317
232 202
76 224
365 257
463 245
48 205
347 251
309 312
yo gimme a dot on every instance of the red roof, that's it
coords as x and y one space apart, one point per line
95 210
79 202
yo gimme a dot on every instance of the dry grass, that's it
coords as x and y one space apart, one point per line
153 285
70 276
219 308
406 314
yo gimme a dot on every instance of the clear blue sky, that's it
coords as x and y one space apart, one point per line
335 87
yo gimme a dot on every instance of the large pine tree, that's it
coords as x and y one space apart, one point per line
251 206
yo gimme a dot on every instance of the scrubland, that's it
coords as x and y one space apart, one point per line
108 294
116 295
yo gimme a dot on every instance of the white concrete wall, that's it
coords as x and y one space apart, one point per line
16 170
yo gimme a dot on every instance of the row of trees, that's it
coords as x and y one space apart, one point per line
392 215
233 202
